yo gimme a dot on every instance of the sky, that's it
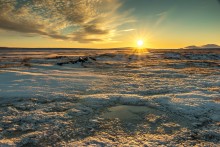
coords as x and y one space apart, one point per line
109 23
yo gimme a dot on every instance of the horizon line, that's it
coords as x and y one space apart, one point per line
120 48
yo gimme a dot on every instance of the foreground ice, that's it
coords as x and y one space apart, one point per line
123 97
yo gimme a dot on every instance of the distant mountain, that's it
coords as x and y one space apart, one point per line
211 46
203 46
3 47
192 47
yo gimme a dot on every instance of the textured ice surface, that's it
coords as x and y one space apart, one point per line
172 98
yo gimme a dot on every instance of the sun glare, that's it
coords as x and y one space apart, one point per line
140 43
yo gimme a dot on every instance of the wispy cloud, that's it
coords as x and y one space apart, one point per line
128 30
95 20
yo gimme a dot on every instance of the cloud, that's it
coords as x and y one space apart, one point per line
95 20
27 27
94 29
162 16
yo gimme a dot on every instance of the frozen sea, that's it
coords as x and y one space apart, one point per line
113 97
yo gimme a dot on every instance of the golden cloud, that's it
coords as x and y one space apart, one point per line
95 20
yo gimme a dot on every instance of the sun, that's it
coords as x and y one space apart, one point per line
140 43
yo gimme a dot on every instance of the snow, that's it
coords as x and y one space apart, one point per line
174 94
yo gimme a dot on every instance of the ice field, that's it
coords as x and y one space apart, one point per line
64 97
